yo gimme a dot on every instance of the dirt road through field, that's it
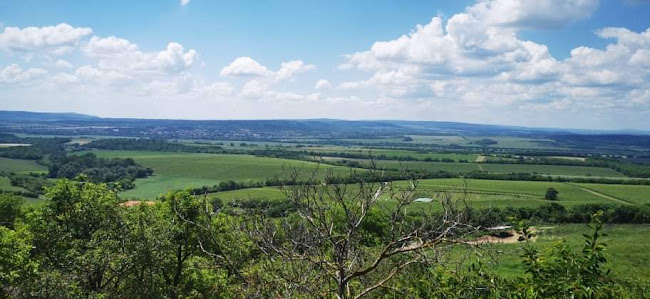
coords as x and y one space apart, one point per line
604 195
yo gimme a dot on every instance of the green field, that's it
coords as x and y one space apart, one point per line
515 193
5 185
415 165
20 166
560 170
395 154
182 170
626 253
555 170
502 141
636 194
480 193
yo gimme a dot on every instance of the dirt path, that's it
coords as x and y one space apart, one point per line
480 167
605 196
480 158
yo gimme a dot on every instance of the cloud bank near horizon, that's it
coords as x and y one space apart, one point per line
473 67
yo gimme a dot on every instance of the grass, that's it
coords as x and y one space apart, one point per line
159 184
5 185
636 194
391 153
481 193
559 170
555 170
626 249
20 166
416 165
502 141
270 193
524 193
181 170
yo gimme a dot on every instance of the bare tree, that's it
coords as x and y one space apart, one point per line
327 250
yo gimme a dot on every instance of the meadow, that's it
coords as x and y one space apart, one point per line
559 170
626 250
480 193
631 193
391 153
554 170
20 166
183 170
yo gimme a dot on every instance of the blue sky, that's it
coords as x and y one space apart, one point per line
571 63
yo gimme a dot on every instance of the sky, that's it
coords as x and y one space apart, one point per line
540 63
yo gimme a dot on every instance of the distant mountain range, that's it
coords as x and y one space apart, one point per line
332 128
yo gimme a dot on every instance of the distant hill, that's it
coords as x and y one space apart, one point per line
79 124
23 116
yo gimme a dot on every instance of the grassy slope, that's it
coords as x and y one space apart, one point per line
636 194
17 165
182 170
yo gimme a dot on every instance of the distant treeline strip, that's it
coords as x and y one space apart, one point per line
351 179
557 213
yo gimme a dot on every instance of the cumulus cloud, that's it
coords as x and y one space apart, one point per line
63 64
533 13
254 89
245 66
249 67
184 2
477 60
120 54
323 84
289 69
15 74
471 66
57 38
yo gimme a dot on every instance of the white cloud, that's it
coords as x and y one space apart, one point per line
289 69
473 66
323 84
15 74
532 13
254 89
245 66
184 2
476 60
120 54
56 38
248 67
63 64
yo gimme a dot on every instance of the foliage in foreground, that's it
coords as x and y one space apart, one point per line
84 242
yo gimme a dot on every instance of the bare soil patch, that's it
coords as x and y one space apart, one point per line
133 203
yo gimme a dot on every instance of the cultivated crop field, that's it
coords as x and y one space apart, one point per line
480 193
555 170
182 170
20 166
393 154
569 194
561 170
632 193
